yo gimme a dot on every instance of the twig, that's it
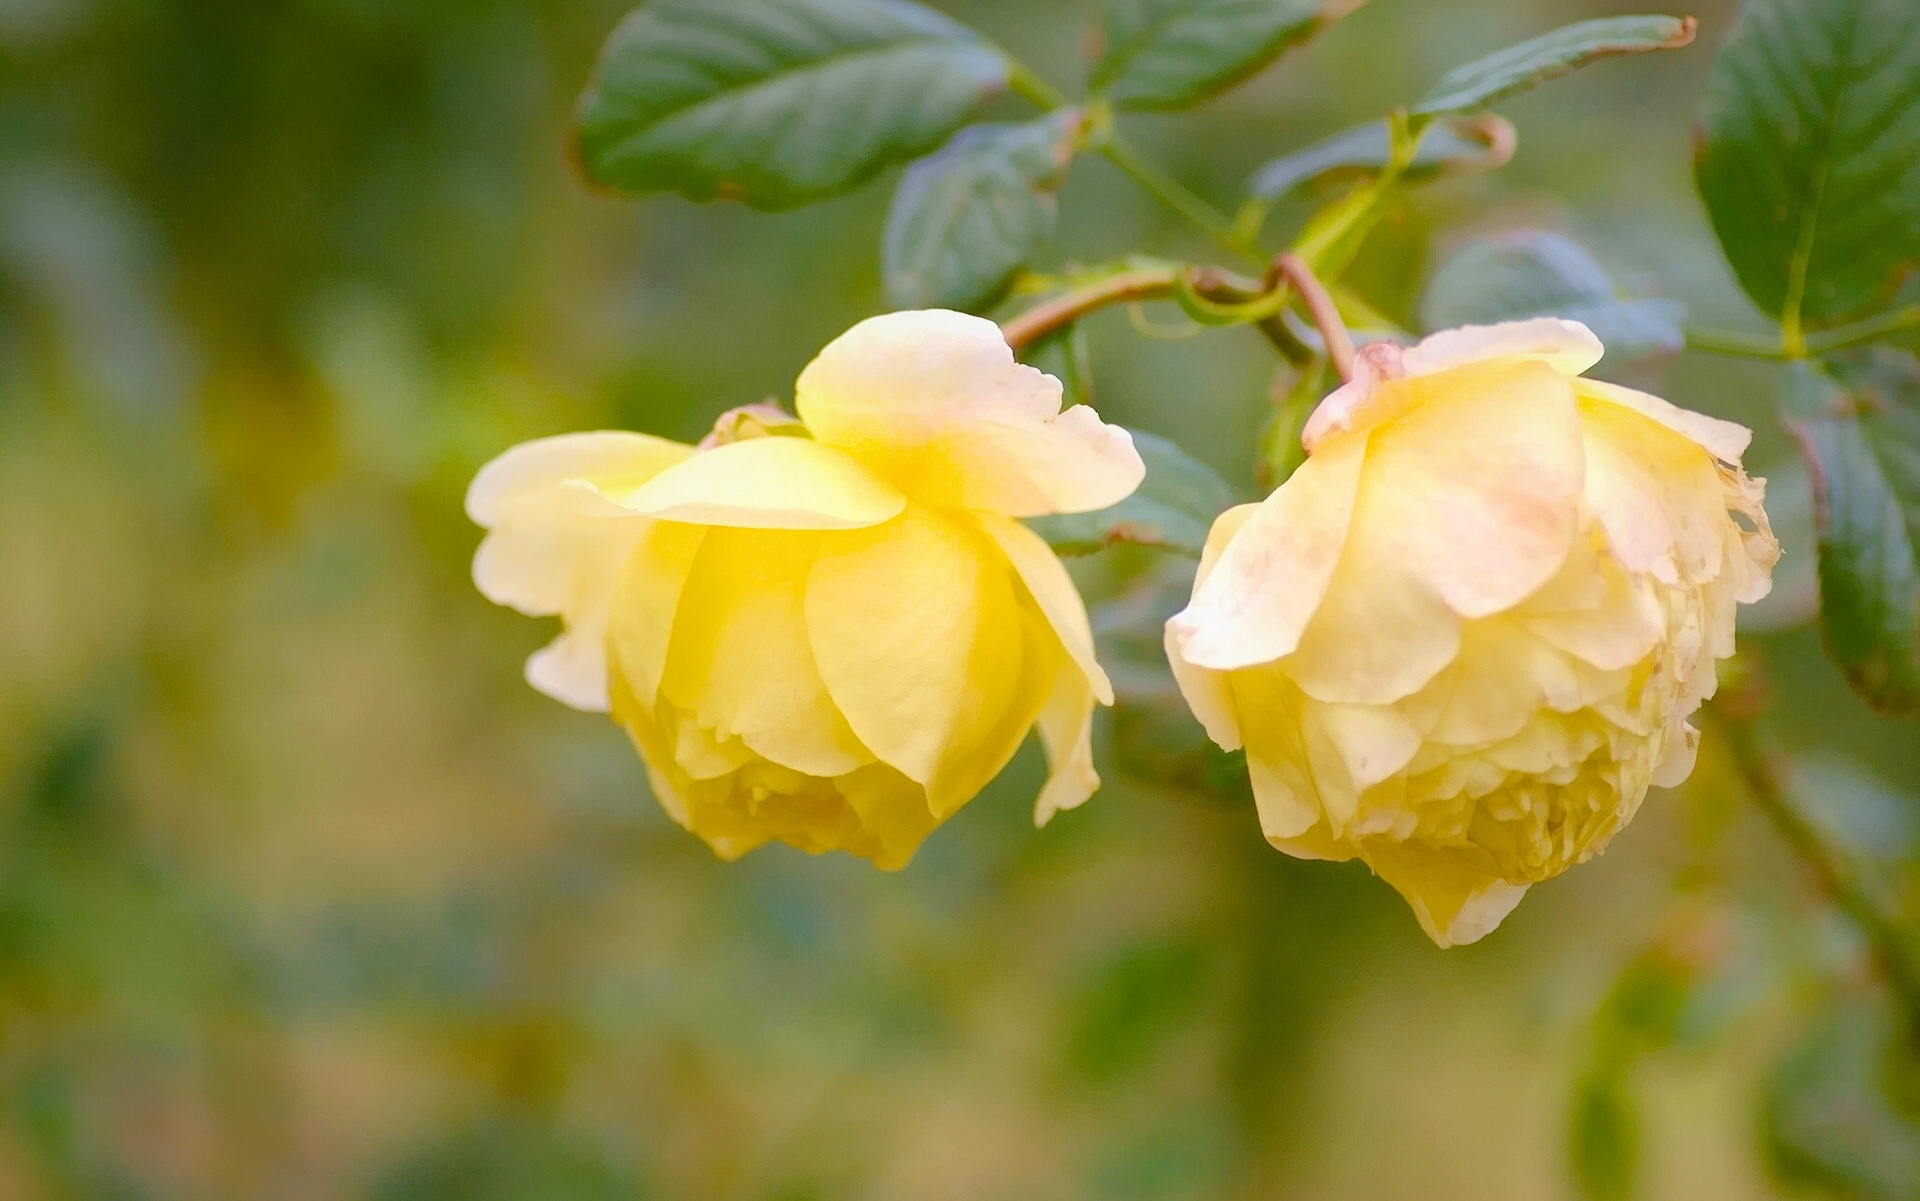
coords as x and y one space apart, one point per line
1320 307
1052 316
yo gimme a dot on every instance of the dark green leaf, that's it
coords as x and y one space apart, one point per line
1862 446
1172 509
1545 275
1810 163
1365 149
967 219
1526 66
1173 53
1828 1124
777 102
1604 1136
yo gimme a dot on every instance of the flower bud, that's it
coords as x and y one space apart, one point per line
830 633
1463 639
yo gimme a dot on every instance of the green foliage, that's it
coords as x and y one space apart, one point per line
1827 1124
1521 68
777 102
1862 446
506 1160
1172 509
1537 274
1810 161
1366 149
1174 53
968 218
1604 1137
1128 1006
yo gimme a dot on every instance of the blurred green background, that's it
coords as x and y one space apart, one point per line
305 894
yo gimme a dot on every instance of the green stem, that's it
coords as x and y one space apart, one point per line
1897 322
1022 82
1744 346
1769 777
1174 194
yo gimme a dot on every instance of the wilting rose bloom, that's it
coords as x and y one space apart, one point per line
829 632
1465 637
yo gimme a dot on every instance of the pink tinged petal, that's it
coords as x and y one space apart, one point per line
1724 440
655 579
557 546
1479 488
1264 588
769 483
1567 347
740 661
936 402
1052 589
1657 494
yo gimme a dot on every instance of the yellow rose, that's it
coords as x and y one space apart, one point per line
830 632
1465 637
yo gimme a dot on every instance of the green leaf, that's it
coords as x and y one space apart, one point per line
967 219
1521 68
777 102
1174 53
1537 274
1862 447
1173 508
1827 1122
1366 149
1810 163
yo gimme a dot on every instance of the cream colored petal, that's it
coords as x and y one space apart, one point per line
646 602
1479 488
1657 494
1381 631
1066 734
1372 396
1374 741
557 546
611 461
899 616
769 483
1284 789
1619 625
1500 679
1725 440
1676 762
740 661
1011 674
1053 590
1262 590
1568 347
936 403
1456 902
1207 692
